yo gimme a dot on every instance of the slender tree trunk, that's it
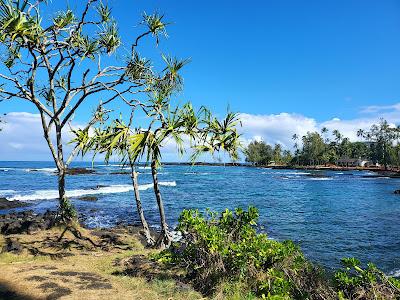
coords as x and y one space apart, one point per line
134 176
66 211
164 240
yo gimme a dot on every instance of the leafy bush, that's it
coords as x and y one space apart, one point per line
220 249
224 255
353 282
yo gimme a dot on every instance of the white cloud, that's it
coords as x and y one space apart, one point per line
279 128
22 135
276 128
22 138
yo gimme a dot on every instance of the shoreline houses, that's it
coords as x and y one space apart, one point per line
355 162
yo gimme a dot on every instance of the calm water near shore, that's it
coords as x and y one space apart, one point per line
330 214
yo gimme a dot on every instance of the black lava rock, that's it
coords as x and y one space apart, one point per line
7 204
12 246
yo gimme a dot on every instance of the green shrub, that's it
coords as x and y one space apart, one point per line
221 248
224 255
354 282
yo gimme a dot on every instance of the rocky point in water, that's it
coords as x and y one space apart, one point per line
7 204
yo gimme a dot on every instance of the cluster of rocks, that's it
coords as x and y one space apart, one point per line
26 222
79 171
6 204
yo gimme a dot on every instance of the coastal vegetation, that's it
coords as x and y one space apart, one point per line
205 132
379 145
224 253
219 255
60 64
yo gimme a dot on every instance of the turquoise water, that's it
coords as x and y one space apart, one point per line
330 214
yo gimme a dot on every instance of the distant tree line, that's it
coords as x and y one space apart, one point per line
380 145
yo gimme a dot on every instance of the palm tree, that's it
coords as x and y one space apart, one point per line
324 132
338 136
295 137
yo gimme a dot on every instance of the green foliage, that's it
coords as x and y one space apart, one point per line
16 24
66 210
104 12
225 256
354 282
109 38
63 19
381 145
259 153
155 25
382 135
221 248
49 54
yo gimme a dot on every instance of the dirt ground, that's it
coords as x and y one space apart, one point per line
78 268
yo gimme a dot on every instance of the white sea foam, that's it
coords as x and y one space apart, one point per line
112 189
395 273
196 173
45 170
298 173
287 173
6 192
320 178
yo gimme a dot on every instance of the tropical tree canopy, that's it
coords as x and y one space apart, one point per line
60 63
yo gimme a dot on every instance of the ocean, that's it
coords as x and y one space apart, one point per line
330 214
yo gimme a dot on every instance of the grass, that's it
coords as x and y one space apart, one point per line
87 273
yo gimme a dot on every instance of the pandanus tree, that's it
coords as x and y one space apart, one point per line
128 144
204 133
115 140
60 64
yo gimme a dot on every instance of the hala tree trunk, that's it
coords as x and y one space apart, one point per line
149 239
164 240
66 211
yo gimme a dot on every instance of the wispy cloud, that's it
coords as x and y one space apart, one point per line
373 109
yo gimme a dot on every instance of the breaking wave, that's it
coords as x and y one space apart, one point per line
6 192
45 170
112 189
320 178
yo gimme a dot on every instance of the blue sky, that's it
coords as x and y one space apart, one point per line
317 60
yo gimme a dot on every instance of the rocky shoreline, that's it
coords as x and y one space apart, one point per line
7 204
26 222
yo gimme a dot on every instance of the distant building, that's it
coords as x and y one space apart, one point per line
354 162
